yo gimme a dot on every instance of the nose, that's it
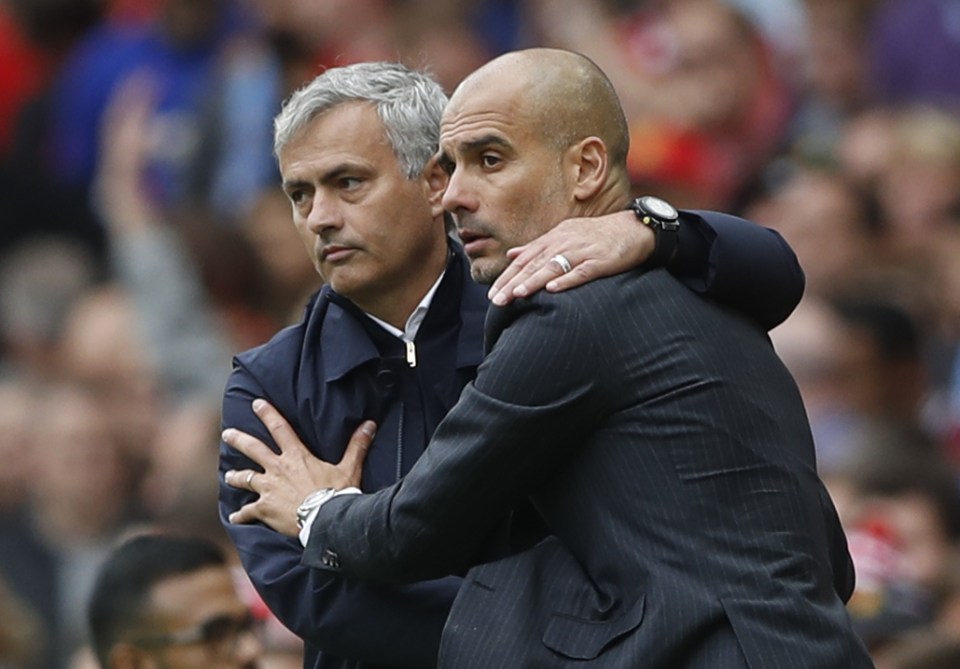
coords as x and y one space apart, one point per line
458 196
323 214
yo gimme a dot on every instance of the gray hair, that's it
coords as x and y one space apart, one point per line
409 103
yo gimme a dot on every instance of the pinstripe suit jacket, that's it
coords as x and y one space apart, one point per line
666 449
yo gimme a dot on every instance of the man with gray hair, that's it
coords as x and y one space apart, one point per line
397 332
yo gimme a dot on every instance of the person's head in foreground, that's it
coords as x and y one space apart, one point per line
356 148
168 602
529 139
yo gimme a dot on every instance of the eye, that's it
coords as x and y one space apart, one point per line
349 183
490 160
296 196
447 165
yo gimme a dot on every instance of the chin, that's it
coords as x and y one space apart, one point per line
486 270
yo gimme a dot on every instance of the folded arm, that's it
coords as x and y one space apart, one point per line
520 421
365 622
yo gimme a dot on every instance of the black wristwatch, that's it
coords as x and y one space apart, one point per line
665 222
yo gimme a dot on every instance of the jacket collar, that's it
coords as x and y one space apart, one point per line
345 344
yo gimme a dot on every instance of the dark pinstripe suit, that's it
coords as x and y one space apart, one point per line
667 450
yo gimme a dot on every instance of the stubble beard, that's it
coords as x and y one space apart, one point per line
486 270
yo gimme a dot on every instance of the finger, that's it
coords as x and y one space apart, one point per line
281 431
526 260
537 273
241 479
249 445
247 513
517 262
579 275
357 448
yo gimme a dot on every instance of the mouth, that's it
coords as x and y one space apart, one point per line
335 252
474 243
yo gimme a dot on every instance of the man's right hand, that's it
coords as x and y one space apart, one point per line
293 473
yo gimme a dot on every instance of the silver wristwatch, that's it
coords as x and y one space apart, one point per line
311 502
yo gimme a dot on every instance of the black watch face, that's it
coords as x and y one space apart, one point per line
659 208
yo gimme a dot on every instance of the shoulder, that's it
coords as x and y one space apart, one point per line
635 304
275 357
600 296
568 318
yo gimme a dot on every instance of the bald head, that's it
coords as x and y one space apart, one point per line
528 140
565 95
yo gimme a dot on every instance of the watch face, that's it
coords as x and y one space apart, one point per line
659 207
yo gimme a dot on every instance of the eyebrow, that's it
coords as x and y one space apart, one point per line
327 177
473 145
485 141
293 184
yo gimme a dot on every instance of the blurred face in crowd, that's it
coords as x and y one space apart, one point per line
506 182
103 350
18 410
374 235
197 622
716 66
82 477
814 206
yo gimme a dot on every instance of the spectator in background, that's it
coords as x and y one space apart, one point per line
919 186
810 206
706 103
21 635
902 533
17 440
833 80
915 47
884 372
34 36
78 500
215 89
103 350
22 632
163 600
40 281
865 148
441 35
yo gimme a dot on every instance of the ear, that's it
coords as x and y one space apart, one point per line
589 167
435 181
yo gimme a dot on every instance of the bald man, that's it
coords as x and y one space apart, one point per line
657 436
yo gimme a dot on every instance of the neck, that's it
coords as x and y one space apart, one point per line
396 306
612 197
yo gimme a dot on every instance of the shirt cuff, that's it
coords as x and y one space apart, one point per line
305 530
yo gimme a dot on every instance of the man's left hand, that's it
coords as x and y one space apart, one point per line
292 474
594 247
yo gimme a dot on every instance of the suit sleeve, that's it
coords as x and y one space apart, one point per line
395 626
740 264
538 395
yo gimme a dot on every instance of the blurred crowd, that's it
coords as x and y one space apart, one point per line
144 240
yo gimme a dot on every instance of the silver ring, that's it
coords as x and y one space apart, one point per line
561 260
250 480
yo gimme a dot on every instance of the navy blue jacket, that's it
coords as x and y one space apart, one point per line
337 368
